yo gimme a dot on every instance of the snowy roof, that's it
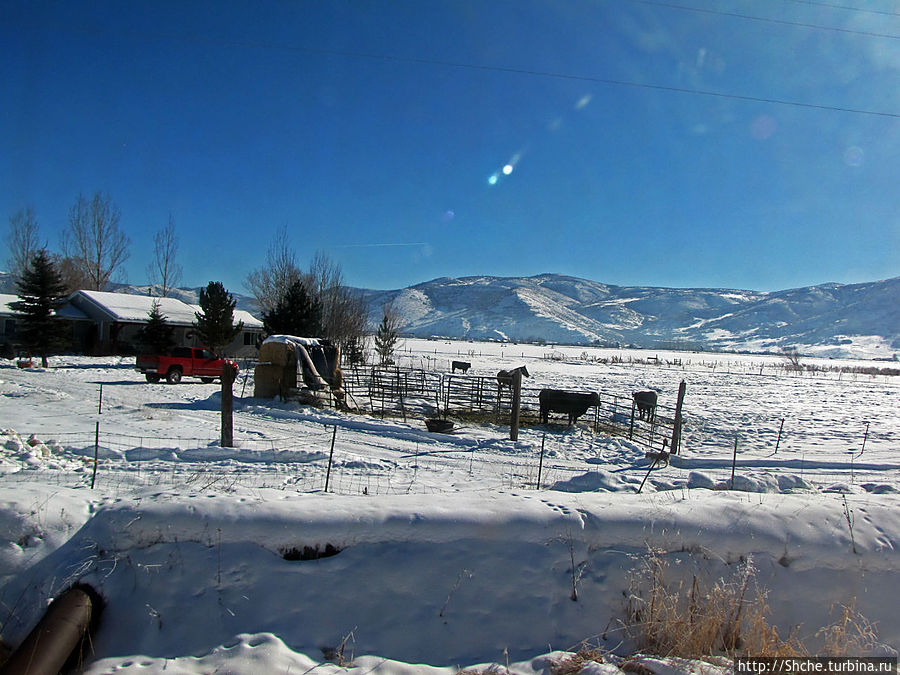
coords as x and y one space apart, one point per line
66 311
135 308
5 300
249 320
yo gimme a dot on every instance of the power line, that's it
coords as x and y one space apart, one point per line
483 67
846 7
599 80
749 17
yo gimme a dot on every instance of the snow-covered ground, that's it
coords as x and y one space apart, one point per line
449 555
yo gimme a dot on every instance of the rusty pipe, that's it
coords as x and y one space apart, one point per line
59 635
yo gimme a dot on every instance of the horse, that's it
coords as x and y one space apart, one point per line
505 377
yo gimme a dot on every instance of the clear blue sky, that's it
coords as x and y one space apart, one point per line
413 139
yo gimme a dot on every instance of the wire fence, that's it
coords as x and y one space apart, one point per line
322 461
334 460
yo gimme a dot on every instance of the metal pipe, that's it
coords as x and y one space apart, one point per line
59 635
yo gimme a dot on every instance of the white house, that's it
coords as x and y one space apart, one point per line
114 320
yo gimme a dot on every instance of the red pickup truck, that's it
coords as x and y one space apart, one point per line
183 361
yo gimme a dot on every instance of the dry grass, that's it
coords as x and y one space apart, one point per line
696 620
851 635
728 617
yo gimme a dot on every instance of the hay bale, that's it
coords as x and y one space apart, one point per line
278 353
270 380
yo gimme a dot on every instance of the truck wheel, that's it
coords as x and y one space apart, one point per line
173 376
206 380
152 377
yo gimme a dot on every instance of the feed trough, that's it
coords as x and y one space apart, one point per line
439 425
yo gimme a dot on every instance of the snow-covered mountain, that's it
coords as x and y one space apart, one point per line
830 319
840 320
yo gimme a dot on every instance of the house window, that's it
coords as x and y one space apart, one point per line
251 339
9 327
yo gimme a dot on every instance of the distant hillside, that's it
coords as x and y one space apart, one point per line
840 320
831 319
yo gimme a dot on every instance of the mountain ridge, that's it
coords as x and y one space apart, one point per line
830 319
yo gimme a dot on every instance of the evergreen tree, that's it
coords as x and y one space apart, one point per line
296 313
387 336
215 323
157 336
41 293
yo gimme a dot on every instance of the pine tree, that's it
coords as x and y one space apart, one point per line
215 323
387 336
41 293
295 313
157 335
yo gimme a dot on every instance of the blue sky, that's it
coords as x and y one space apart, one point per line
630 142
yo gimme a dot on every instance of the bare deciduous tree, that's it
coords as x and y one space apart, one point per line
344 315
164 270
272 280
22 241
94 242
72 273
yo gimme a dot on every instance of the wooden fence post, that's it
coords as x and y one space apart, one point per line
675 442
227 406
516 402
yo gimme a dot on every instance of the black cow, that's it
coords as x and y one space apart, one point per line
505 377
645 402
461 365
573 403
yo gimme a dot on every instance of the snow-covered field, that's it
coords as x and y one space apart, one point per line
449 554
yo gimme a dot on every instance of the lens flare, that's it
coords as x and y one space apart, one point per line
854 156
508 169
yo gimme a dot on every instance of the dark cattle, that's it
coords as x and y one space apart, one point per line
505 377
573 403
645 402
461 365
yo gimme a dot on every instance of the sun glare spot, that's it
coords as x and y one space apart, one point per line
508 169
854 156
493 179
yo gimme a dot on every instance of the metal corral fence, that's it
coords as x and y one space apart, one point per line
411 391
